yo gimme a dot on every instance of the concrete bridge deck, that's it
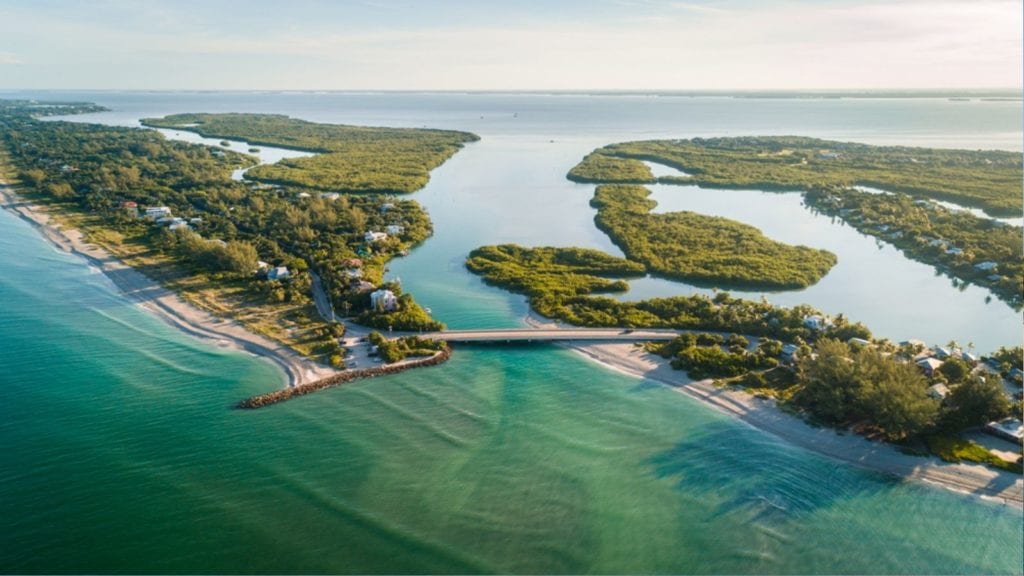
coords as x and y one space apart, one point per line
551 335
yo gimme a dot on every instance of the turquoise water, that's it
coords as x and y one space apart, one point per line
121 452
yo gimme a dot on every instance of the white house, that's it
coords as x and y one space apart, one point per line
1011 429
156 212
929 365
332 196
384 300
954 251
986 266
938 391
816 323
394 230
375 236
279 273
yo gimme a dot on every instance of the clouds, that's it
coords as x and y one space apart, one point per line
389 44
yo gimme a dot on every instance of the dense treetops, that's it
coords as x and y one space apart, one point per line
703 249
551 271
991 180
49 108
964 245
351 158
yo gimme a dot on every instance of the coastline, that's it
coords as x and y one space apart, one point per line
160 301
764 415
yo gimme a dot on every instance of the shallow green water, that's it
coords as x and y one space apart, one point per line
122 454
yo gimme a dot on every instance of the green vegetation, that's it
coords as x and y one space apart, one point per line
971 249
401 348
703 249
991 180
407 316
846 384
551 271
600 168
100 179
350 159
702 355
953 449
30 108
560 282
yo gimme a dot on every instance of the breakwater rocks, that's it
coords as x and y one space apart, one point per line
339 379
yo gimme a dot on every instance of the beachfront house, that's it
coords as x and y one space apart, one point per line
279 273
941 352
929 365
372 236
986 266
384 300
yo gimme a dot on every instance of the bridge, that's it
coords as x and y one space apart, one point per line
551 335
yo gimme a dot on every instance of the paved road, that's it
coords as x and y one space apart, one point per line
552 335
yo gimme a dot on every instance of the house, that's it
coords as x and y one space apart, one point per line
929 365
828 155
179 224
354 273
788 352
384 300
954 251
303 195
969 358
859 342
332 196
936 242
131 208
195 221
816 323
375 236
986 266
352 263
941 352
1010 429
938 391
387 206
994 278
157 212
394 230
279 273
1015 374
261 265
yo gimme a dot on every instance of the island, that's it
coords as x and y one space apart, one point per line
274 254
986 179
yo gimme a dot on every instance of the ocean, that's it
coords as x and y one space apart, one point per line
122 453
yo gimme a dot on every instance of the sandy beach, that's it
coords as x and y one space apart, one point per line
763 415
160 301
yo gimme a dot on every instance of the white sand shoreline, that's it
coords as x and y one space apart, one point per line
765 416
162 302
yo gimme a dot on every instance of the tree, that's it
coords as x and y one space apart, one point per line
975 402
829 381
893 396
955 370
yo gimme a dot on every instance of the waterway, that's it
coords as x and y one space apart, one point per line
122 453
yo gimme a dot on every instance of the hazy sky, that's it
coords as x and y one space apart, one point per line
512 44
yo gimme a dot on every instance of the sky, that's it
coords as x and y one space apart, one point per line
511 45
